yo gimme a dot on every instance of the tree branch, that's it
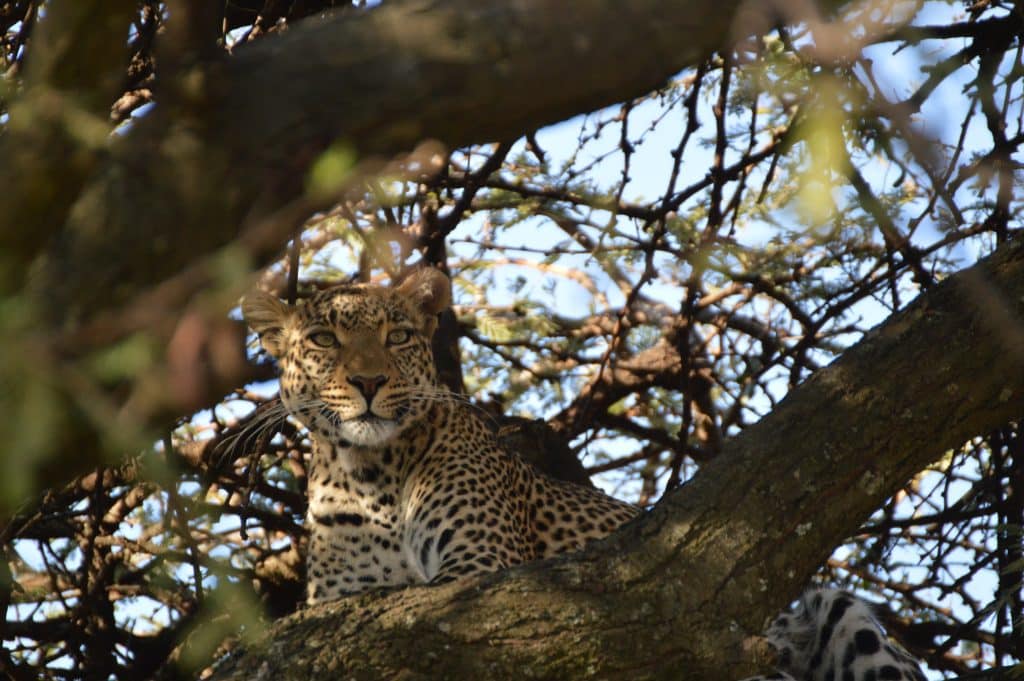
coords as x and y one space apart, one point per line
235 144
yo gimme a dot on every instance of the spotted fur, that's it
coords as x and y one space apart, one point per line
833 636
407 485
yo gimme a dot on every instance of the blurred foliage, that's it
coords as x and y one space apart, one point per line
648 278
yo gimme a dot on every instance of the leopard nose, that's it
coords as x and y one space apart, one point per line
368 385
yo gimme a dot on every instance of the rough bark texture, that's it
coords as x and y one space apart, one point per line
673 594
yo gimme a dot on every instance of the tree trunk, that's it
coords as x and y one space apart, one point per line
675 593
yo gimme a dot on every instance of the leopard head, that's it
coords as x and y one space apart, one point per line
356 364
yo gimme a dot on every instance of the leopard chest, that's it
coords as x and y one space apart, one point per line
356 529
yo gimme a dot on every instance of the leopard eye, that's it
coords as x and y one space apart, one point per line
399 336
323 339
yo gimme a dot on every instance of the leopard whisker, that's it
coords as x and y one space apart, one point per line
258 426
446 397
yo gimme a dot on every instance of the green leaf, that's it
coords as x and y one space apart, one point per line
330 172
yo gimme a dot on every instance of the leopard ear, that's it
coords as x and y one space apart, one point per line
430 291
268 317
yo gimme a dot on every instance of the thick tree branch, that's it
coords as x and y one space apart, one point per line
680 588
231 142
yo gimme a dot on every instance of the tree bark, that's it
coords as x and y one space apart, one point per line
675 593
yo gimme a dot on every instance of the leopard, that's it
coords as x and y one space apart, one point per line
832 635
408 484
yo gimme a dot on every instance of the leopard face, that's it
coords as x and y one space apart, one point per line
356 363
